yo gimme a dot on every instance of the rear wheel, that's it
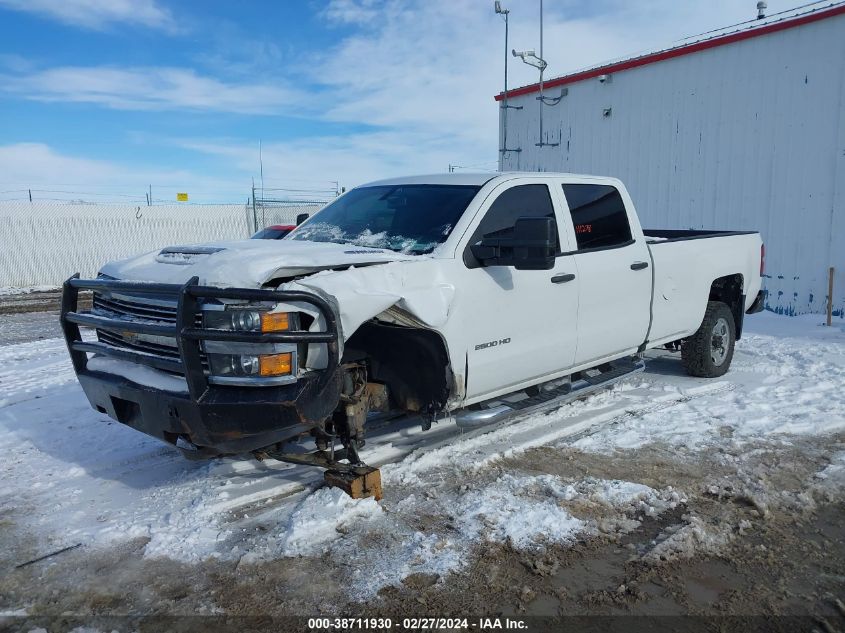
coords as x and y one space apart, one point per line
708 353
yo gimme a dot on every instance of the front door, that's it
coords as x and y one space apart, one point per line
519 324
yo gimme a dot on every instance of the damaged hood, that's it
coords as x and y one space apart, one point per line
246 263
407 289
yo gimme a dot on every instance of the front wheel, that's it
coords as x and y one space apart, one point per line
708 352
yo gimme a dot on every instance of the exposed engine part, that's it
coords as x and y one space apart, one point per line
414 363
357 398
351 415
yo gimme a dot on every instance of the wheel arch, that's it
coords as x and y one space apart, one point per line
730 291
413 362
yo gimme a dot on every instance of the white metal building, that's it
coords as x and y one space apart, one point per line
741 129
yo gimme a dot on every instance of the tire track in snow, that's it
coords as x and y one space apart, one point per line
490 443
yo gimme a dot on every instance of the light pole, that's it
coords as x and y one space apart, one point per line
504 13
532 59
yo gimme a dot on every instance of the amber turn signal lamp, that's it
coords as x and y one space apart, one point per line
275 322
275 364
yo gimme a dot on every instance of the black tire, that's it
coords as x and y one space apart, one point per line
708 353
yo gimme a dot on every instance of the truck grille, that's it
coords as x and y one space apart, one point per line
146 309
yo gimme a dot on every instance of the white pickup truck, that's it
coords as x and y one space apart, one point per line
453 296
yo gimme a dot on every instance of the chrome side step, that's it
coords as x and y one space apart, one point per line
588 382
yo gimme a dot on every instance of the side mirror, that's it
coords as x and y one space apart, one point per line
301 218
529 245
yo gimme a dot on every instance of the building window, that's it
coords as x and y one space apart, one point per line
598 215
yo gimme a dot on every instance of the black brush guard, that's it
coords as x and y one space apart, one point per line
210 419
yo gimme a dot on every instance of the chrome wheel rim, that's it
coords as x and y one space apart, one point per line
719 342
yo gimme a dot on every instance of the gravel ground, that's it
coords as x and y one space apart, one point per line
12 302
23 327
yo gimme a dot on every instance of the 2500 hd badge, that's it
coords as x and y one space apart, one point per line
501 341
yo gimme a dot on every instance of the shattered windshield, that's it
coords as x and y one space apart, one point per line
411 219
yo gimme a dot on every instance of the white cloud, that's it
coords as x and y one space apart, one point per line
52 174
351 11
352 159
98 14
422 73
153 88
426 72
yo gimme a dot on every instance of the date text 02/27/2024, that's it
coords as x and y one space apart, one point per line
415 624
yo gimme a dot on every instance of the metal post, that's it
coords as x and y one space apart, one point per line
254 214
830 296
505 102
542 68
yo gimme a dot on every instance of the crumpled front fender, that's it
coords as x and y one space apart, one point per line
413 287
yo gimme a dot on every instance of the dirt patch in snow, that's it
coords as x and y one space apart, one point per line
757 535
773 545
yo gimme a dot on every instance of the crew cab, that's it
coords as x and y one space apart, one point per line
454 296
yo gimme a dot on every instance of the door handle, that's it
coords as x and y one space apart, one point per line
562 279
639 265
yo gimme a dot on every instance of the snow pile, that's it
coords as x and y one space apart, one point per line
511 511
692 538
322 517
433 533
830 481
514 510
614 507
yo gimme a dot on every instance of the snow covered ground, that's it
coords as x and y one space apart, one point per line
71 475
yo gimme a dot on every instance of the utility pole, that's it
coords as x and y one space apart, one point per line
504 149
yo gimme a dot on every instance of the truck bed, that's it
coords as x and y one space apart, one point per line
655 236
685 264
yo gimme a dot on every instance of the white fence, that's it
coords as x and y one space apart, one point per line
44 243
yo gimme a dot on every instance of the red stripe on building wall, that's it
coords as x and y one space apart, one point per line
675 52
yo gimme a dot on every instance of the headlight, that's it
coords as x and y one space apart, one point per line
251 363
250 320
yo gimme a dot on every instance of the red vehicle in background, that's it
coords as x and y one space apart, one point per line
274 232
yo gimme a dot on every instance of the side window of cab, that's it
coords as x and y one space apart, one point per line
598 216
522 201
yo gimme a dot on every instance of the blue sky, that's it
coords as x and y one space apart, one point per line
101 98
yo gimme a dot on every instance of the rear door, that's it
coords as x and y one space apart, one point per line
519 324
614 272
